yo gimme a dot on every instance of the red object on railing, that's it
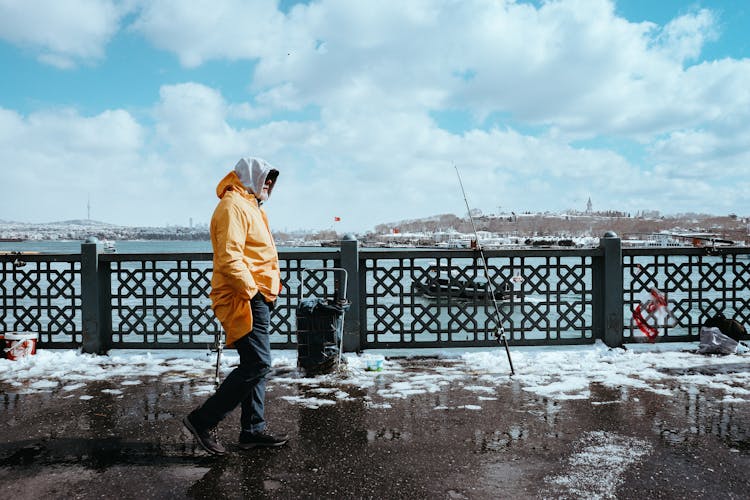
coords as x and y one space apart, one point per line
656 302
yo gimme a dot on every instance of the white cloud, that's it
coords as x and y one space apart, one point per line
685 36
192 125
366 78
56 158
378 168
63 34
717 146
574 64
61 135
191 121
201 30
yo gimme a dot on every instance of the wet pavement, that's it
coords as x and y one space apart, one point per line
106 439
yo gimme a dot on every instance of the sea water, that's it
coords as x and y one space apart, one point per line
126 246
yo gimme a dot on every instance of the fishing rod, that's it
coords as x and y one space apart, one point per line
499 330
219 348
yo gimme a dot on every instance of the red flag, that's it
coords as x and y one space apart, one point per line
337 219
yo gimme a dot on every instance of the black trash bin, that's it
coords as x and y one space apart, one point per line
319 330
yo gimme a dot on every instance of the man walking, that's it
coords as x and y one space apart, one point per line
245 283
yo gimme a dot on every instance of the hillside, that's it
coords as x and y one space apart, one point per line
539 225
574 225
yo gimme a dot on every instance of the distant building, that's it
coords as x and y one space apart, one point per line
588 206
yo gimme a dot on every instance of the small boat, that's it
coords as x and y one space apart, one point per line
443 285
109 247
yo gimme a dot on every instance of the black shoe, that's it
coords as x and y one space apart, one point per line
262 440
205 438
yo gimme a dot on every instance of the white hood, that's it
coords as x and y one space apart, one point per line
253 173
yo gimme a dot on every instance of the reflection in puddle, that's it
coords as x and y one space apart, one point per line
499 440
693 413
388 435
362 428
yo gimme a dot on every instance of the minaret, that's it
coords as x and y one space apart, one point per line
88 208
588 206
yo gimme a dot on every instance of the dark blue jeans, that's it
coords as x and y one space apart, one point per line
246 384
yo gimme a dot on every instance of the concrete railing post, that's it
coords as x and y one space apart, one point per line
350 262
611 283
95 307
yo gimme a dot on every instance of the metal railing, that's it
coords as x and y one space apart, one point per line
551 296
163 299
698 283
42 293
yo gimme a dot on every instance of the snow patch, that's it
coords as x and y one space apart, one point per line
596 469
558 373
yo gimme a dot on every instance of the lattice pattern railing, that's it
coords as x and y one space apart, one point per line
41 294
550 299
163 298
697 283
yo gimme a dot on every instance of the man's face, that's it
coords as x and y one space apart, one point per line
266 188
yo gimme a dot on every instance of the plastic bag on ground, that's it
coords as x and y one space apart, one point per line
714 342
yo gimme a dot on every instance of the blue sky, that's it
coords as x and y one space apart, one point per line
365 107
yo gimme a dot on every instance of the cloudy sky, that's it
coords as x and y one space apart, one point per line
365 107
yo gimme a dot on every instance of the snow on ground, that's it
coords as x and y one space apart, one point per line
553 372
595 469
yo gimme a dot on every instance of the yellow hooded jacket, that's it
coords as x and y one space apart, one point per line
245 258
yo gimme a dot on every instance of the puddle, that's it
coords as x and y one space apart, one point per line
418 428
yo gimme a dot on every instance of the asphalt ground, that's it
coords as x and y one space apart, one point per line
104 440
